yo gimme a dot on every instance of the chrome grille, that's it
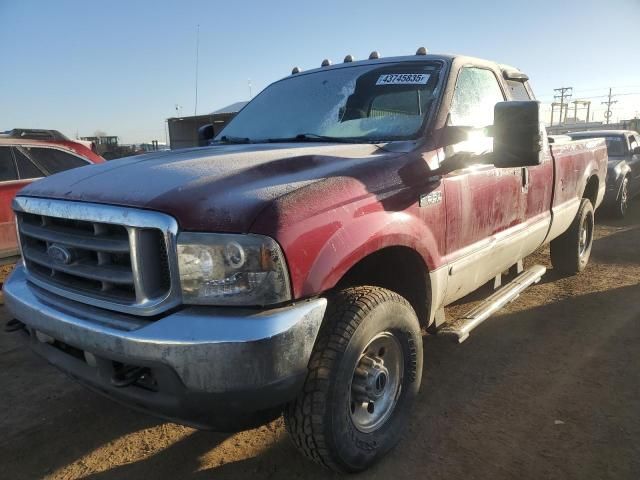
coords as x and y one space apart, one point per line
112 257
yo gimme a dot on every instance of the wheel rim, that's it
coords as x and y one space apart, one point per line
376 382
624 197
586 232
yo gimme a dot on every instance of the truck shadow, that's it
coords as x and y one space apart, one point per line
50 425
498 396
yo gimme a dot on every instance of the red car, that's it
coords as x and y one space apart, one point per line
23 160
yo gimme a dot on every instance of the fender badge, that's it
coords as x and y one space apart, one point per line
430 198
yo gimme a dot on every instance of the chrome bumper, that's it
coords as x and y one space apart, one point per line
211 350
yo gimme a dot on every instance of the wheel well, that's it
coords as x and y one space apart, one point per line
399 269
591 190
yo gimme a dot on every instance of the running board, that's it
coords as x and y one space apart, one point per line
461 327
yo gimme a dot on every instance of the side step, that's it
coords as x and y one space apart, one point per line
461 327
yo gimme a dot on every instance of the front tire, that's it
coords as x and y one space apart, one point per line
622 202
570 252
364 374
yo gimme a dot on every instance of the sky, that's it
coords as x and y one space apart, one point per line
121 67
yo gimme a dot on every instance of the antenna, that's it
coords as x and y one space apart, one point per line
195 108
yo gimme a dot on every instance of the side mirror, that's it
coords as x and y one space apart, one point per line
636 151
205 135
517 141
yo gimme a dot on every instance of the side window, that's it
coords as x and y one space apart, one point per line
53 160
7 167
477 91
633 142
517 90
26 168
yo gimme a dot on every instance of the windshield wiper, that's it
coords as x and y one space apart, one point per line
229 139
314 137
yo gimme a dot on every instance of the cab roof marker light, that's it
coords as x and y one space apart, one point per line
325 63
375 55
421 51
295 70
348 59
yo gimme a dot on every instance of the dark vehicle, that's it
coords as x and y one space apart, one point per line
623 172
293 265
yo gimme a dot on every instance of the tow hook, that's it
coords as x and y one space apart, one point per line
13 325
128 376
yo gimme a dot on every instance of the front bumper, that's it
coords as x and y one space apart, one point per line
209 367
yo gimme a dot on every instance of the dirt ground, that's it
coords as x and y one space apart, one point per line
548 388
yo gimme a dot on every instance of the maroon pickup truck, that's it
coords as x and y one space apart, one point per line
292 265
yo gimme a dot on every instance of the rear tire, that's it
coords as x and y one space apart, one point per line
570 252
364 374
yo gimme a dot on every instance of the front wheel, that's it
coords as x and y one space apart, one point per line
622 203
364 374
570 252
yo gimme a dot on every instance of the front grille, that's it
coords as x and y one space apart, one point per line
83 252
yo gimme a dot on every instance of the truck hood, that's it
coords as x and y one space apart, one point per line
217 188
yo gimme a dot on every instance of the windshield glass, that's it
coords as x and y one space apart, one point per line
363 103
615 145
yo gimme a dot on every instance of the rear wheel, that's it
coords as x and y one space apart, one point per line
622 203
570 252
364 374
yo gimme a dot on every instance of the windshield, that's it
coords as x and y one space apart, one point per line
360 103
615 145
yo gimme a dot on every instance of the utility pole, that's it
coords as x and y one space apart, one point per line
249 84
195 108
563 93
608 103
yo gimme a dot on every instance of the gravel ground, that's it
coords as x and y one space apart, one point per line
548 388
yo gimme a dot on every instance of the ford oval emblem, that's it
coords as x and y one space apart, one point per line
59 254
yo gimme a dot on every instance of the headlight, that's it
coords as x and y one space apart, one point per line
231 269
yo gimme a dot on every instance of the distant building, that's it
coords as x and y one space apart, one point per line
183 131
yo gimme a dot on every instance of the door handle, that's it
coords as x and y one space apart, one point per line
525 179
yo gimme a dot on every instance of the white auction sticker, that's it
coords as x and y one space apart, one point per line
403 79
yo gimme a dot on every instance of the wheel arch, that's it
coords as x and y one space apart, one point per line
398 268
591 189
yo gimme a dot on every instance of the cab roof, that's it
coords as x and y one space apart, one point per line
508 71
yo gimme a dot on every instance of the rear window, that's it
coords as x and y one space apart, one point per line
53 160
7 167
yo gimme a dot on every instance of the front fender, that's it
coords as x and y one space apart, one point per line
364 236
614 180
